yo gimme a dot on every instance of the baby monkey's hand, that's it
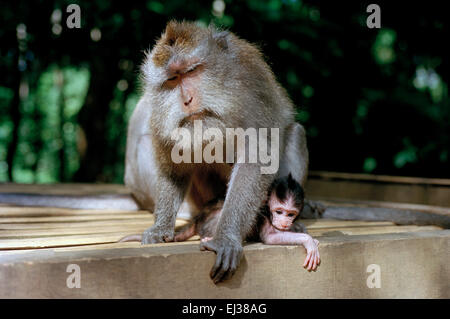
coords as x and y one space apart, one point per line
312 254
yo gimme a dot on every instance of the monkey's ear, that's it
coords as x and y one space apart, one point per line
221 39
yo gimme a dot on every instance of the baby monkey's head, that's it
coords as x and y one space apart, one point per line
285 202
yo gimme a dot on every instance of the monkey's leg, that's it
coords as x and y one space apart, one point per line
246 192
185 233
169 198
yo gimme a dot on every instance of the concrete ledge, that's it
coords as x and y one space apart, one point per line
413 265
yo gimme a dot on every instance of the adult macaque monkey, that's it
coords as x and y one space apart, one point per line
199 73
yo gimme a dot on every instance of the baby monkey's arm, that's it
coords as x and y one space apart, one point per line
290 238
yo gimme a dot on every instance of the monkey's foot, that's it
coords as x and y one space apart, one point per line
312 209
312 254
229 254
155 235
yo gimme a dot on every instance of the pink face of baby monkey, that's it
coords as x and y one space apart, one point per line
283 214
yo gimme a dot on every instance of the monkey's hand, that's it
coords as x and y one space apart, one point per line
312 254
229 254
157 234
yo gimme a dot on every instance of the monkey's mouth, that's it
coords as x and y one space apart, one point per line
281 228
196 116
200 115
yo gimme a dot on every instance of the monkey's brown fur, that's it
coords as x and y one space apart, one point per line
184 36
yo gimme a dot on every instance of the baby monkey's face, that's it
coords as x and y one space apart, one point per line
283 213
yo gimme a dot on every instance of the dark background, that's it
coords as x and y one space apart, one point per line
372 100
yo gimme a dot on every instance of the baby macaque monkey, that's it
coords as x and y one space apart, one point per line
277 223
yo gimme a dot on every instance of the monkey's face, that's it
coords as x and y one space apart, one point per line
283 213
186 82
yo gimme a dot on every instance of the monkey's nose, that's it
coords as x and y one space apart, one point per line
186 103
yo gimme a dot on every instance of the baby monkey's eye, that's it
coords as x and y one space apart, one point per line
278 212
291 215
172 78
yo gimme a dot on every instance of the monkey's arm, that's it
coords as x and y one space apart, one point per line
244 197
290 238
169 198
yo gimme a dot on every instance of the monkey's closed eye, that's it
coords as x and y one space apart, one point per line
172 78
291 215
278 212
192 69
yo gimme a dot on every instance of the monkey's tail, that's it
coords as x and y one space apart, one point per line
136 237
400 217
405 215
119 202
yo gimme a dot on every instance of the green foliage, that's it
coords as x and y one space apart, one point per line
48 126
369 165
383 48
407 155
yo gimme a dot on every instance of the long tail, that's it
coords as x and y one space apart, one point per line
135 237
402 214
120 202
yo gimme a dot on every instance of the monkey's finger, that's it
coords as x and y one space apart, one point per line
317 261
223 270
310 263
308 256
234 262
207 246
314 262
215 269
306 260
